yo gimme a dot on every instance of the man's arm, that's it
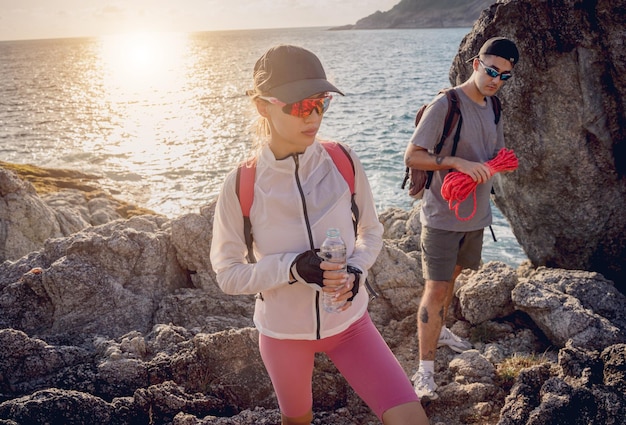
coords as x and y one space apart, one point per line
420 158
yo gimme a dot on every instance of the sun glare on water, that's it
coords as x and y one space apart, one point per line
164 109
149 105
144 78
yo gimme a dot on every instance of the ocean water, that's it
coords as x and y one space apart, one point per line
163 117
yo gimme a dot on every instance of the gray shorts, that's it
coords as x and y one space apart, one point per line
442 250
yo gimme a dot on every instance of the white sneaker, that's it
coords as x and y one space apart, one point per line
456 343
424 385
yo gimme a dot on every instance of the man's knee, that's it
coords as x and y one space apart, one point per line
435 290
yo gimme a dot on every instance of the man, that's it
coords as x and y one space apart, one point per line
448 244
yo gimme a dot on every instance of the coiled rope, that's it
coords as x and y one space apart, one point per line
457 186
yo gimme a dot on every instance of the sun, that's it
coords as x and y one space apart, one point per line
141 53
141 59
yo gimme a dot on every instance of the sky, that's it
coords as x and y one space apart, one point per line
37 19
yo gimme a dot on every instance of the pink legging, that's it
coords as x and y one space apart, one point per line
359 353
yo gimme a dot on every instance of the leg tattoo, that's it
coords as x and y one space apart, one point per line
424 315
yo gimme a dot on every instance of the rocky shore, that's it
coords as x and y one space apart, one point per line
119 320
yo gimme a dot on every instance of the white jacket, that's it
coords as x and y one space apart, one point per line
280 233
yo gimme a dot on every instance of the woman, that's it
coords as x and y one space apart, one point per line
298 194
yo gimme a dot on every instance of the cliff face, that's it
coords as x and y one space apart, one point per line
425 14
564 113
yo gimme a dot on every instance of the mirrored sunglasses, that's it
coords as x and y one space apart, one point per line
493 73
304 107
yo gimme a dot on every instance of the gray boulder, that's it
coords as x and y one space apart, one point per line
486 295
557 303
106 280
26 222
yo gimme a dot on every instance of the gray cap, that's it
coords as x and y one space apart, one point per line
291 73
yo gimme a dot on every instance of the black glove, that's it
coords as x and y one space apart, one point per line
306 268
357 281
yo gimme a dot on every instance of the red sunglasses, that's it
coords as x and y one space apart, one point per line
304 107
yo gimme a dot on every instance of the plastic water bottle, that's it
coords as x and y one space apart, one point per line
333 249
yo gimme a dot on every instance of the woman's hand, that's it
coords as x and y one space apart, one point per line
338 282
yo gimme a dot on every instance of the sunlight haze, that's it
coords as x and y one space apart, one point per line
37 19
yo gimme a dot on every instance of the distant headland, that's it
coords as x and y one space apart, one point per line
424 14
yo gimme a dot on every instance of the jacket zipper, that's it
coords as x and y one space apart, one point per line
296 159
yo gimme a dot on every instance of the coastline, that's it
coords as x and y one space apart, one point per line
132 308
53 180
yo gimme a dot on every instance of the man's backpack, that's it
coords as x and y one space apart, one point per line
419 180
245 187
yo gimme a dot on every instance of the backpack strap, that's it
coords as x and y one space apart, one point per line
245 193
343 161
497 113
420 112
497 108
453 118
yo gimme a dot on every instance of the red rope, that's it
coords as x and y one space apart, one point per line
457 186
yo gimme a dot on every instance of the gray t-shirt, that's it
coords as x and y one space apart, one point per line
480 140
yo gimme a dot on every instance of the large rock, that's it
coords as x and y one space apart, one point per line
26 222
105 280
40 203
494 282
564 111
581 308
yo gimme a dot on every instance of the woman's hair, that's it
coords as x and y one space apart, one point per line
261 126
